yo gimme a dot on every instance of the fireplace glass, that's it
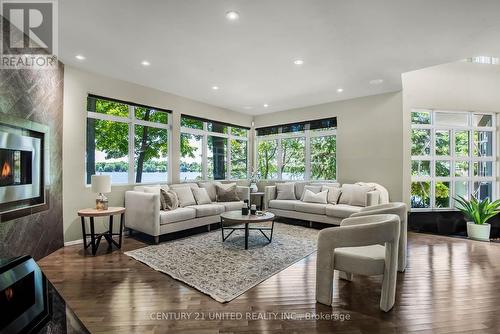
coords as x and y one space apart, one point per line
15 167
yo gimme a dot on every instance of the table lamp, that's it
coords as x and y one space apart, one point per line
101 184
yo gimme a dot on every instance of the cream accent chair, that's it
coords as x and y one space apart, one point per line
354 247
395 208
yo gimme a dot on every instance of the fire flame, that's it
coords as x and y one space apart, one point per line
6 169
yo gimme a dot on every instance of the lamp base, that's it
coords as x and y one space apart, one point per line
101 202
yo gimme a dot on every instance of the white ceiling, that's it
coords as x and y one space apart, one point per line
344 44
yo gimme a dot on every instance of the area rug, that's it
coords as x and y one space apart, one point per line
226 270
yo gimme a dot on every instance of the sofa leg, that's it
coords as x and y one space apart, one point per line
346 276
310 224
208 227
157 239
130 231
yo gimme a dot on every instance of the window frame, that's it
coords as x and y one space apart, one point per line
205 133
131 121
453 158
307 134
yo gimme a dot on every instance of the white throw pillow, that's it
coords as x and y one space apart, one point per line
285 191
310 197
185 195
314 189
359 195
201 196
333 193
211 188
346 193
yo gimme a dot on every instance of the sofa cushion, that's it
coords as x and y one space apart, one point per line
201 196
283 204
227 193
185 196
333 193
285 191
316 208
369 259
341 210
315 189
177 215
205 210
211 189
232 206
310 197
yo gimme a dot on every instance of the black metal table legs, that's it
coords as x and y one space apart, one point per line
95 239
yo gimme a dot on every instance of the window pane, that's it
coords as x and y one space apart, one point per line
421 168
240 132
442 168
483 168
461 189
483 143
442 142
293 128
293 158
482 120
191 157
462 143
239 159
462 168
192 123
323 158
216 127
268 162
421 142
483 190
450 119
151 115
216 158
420 117
442 192
151 152
107 107
323 124
107 150
420 194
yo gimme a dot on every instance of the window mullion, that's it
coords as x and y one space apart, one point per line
131 145
307 171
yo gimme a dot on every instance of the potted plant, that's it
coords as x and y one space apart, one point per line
478 212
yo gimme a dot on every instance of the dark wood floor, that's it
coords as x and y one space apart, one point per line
451 285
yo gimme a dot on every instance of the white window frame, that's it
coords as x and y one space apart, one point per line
307 135
453 158
132 122
205 133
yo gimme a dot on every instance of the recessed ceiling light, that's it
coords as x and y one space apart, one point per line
298 62
215 87
376 81
266 105
232 15
80 57
340 90
145 63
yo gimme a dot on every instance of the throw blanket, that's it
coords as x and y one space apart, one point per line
384 194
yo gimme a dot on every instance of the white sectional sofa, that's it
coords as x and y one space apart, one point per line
329 213
143 212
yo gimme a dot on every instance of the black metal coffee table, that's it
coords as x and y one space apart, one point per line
235 217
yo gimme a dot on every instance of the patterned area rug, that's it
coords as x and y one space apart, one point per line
226 270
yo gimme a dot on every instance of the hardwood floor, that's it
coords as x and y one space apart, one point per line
451 285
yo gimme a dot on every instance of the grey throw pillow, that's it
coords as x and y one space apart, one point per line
201 196
169 200
285 191
185 196
227 194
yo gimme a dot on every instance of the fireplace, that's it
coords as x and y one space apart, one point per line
21 167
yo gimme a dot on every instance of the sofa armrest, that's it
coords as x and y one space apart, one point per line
269 194
372 198
143 212
243 193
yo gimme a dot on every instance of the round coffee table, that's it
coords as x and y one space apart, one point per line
235 217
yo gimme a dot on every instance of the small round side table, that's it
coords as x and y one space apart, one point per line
95 239
261 195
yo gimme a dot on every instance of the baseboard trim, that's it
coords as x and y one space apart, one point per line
72 243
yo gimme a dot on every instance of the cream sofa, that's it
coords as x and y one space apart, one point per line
143 212
321 213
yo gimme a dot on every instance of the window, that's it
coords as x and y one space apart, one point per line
300 151
212 150
127 141
452 155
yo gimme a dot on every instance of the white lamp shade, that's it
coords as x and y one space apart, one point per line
101 183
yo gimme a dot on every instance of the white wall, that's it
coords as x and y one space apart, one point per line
369 137
77 85
457 86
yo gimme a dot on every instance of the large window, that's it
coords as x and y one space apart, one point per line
127 141
299 151
212 150
452 155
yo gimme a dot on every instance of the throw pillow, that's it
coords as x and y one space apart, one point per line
185 196
211 189
201 196
346 193
169 200
359 195
314 189
285 190
227 194
333 193
310 197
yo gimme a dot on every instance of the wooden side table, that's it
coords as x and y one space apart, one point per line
95 239
261 195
